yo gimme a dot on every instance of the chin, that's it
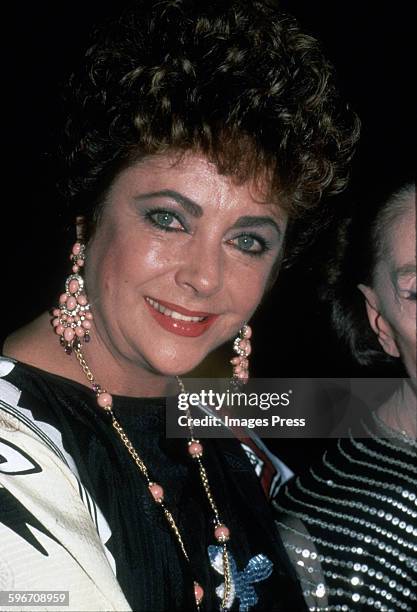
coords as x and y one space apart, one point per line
174 365
177 370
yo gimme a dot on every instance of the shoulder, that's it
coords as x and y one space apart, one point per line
22 343
36 345
46 512
49 524
29 420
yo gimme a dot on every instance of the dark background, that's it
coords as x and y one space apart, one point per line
372 47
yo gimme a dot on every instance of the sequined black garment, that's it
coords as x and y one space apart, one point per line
350 524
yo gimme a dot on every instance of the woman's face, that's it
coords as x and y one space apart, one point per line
392 300
179 261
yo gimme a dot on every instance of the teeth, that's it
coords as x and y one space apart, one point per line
172 313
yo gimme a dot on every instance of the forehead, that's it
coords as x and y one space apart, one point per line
193 175
401 235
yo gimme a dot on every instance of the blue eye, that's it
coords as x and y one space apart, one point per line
165 220
252 245
246 243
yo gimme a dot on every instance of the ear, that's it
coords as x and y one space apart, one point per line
378 322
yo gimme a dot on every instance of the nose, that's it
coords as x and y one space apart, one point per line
201 269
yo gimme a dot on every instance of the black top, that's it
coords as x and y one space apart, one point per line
150 567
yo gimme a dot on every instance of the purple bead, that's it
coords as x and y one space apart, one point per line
68 350
87 338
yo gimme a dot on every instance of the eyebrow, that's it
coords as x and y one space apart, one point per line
196 210
190 206
252 221
405 270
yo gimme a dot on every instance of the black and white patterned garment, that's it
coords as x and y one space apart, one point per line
350 524
75 513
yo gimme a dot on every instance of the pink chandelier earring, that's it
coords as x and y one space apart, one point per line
242 347
73 317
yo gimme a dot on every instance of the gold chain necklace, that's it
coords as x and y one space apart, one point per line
195 450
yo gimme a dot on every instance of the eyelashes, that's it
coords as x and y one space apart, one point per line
163 219
167 220
251 244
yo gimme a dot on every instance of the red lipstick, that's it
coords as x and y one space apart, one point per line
191 329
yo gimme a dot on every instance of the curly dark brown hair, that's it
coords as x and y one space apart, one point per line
235 80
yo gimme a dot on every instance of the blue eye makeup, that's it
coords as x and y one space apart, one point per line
168 220
251 244
165 220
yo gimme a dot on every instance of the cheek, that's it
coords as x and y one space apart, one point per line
407 334
109 267
247 289
404 327
153 256
124 264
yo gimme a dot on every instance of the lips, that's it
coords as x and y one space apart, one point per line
179 320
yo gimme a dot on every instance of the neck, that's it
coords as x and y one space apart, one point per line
37 345
120 375
400 411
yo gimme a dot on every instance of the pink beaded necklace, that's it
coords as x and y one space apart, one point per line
195 450
72 323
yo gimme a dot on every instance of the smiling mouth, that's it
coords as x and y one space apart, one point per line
173 313
179 320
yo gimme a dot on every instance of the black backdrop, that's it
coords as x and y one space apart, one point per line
371 44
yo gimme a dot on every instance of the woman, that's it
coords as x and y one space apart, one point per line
351 522
196 136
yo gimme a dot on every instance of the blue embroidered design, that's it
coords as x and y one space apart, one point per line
259 568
